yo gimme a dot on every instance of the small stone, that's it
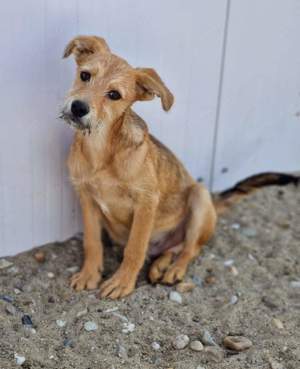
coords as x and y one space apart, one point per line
185 287
6 298
17 291
235 226
90 326
68 343
207 339
196 346
233 270
175 296
60 323
274 364
277 323
210 279
81 313
155 345
73 269
128 327
233 300
237 343
5 263
295 284
50 275
11 310
249 232
200 367
40 257
251 257
13 270
228 263
197 280
122 352
214 354
20 360
26 320
181 341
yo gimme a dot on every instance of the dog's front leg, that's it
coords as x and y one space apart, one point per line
90 274
122 283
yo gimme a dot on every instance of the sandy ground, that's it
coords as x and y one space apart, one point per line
260 236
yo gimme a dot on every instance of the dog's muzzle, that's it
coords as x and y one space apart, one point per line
75 114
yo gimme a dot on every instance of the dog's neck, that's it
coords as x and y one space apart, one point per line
99 146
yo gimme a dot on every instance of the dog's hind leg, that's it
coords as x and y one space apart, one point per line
199 229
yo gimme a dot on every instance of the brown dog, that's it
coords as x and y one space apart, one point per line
128 182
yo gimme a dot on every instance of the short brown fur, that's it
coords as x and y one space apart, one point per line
129 183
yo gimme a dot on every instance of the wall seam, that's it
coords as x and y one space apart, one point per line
220 96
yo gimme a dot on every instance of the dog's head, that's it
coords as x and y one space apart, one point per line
106 85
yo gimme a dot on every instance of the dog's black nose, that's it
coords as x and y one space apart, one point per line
79 108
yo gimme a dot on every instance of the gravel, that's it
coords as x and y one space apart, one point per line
265 308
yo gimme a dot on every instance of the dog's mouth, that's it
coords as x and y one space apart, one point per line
75 122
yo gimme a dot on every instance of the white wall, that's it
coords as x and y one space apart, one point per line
233 67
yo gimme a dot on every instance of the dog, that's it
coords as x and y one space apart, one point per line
128 182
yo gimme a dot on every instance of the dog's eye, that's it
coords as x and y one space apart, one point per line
114 95
85 76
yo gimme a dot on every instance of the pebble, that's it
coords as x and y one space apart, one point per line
90 326
81 313
277 323
210 279
235 226
233 300
20 360
185 287
251 257
214 353
128 327
197 280
237 343
40 257
228 263
181 341
121 352
17 291
155 345
50 275
5 263
10 309
61 323
249 232
196 346
274 364
200 367
73 269
6 298
295 284
68 343
26 320
175 296
207 339
233 270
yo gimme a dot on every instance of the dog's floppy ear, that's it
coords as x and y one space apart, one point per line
82 46
149 85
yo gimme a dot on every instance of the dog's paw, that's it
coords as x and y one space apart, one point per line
119 285
174 274
86 279
158 267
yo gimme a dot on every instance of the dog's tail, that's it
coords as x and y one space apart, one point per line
224 200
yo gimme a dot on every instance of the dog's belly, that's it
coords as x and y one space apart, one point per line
160 240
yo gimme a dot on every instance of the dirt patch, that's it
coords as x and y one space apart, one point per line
44 321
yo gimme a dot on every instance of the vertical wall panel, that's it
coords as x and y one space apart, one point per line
258 127
183 43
